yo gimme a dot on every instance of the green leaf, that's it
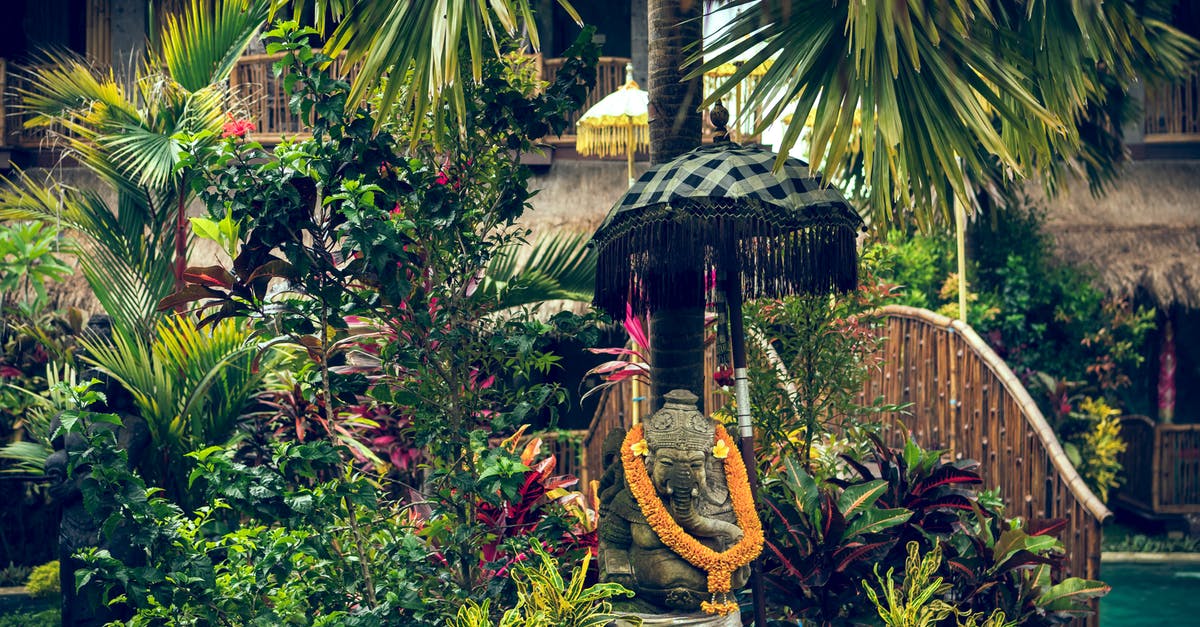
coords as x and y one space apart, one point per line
875 520
860 496
1071 593
206 228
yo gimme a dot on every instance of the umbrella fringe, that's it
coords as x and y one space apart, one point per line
669 261
610 141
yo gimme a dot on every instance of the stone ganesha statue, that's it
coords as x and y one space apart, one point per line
677 520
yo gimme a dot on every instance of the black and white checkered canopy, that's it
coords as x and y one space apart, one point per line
714 206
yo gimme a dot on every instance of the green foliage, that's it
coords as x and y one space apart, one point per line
810 358
914 105
14 574
1098 455
43 581
1049 322
558 266
383 267
917 601
28 262
128 134
432 42
824 541
546 599
191 386
44 618
1139 543
297 538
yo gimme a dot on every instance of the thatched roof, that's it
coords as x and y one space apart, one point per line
1142 237
576 194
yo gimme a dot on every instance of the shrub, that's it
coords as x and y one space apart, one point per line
14 575
824 540
43 581
44 618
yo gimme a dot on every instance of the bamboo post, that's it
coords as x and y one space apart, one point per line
960 232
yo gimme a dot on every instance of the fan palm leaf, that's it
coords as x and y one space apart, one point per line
951 91
200 46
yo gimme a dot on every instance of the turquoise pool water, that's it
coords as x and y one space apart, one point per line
1151 594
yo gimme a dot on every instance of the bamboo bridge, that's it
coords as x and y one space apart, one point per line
962 399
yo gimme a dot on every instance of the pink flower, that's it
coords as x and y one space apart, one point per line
723 376
9 372
442 179
396 210
236 127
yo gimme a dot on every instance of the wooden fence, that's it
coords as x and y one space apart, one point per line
966 400
1172 110
1162 466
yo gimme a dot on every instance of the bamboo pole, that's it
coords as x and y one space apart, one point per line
960 233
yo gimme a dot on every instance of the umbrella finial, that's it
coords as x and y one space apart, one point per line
629 82
719 116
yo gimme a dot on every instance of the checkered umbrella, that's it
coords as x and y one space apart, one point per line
719 207
719 214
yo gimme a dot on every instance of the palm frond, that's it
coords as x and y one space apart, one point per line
948 92
200 46
558 266
28 458
190 384
424 38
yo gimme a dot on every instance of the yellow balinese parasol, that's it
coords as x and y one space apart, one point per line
618 123
716 76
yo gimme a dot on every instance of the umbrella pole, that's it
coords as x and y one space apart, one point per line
741 391
629 147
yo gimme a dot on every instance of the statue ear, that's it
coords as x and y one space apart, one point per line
714 491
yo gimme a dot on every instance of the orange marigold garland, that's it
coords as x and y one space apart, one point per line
718 566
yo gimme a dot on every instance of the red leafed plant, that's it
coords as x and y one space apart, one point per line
540 494
632 363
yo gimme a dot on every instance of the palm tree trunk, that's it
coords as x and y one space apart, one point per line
676 335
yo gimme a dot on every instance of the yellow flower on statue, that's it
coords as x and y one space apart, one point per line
640 448
720 450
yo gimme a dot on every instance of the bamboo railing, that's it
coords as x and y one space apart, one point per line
966 400
963 399
1172 110
1162 466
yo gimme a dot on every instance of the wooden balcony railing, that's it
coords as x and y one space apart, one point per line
259 93
1172 111
1161 466
610 74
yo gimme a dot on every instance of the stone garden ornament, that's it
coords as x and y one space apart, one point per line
678 522
723 211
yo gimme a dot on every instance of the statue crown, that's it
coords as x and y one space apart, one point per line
679 424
